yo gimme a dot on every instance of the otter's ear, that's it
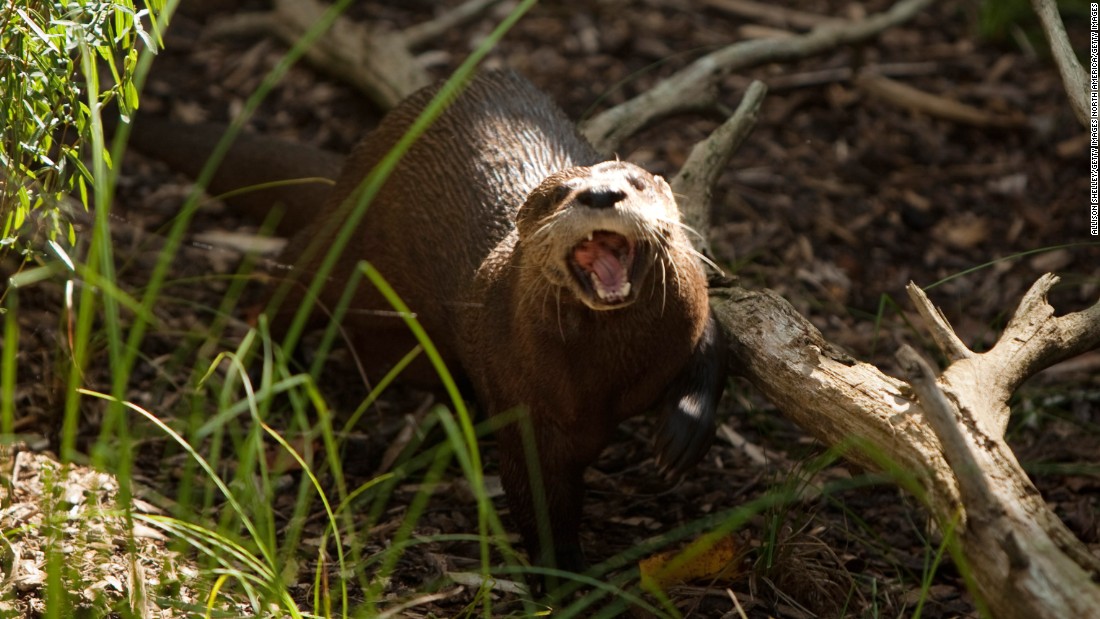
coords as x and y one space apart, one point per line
687 416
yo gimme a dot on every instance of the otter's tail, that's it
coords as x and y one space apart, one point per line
252 161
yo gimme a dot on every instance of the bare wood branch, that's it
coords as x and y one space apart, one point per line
694 83
421 34
1034 339
839 400
843 74
937 106
984 383
1024 560
940 415
375 61
694 183
1074 77
772 15
941 330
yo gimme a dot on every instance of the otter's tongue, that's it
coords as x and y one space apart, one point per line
605 258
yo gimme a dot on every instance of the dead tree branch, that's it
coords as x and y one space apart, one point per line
1074 77
421 34
1025 562
938 106
938 326
772 15
694 84
375 60
694 184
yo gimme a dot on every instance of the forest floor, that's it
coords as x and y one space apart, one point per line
837 200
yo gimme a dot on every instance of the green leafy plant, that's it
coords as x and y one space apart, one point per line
46 109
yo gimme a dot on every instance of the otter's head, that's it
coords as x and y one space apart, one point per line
598 231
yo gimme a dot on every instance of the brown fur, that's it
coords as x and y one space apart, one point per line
578 372
481 230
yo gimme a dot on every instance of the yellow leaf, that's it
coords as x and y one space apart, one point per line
703 559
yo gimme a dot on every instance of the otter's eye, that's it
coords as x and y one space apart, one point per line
600 198
636 182
561 192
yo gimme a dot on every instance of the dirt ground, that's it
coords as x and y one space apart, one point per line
837 200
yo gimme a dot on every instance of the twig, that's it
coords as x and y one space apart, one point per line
772 15
420 34
756 31
842 74
692 85
937 106
1074 77
694 184
938 326
1035 339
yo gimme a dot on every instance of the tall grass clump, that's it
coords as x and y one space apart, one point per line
59 54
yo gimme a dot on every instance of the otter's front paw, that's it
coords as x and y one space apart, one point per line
687 415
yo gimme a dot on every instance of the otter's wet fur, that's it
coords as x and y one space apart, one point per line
559 283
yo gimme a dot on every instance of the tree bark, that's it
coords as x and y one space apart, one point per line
947 432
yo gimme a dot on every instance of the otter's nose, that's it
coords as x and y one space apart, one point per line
601 197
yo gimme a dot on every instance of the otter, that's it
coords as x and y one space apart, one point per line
558 282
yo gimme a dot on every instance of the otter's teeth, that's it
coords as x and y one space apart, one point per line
611 296
589 236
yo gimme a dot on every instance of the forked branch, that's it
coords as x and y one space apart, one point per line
695 84
1074 77
946 431
694 183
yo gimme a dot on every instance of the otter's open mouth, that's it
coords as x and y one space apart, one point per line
603 265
